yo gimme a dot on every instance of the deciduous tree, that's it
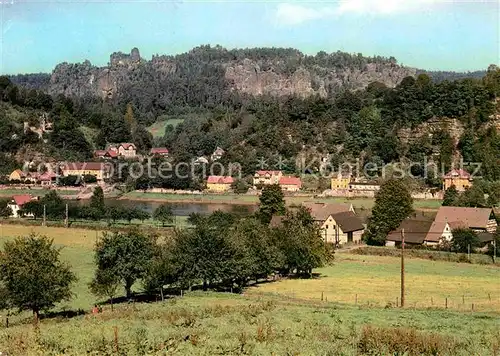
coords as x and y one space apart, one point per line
271 203
126 255
33 275
393 203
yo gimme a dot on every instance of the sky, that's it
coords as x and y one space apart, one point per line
428 34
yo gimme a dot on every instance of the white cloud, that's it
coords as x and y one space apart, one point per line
384 7
291 14
294 14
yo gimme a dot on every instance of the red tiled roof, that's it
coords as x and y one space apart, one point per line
22 199
127 145
79 166
321 211
271 173
458 173
47 176
290 181
102 153
159 150
220 179
470 217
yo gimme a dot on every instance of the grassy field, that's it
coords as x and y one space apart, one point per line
158 128
285 318
375 280
225 324
359 203
34 192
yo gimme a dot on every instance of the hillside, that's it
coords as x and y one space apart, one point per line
264 104
275 71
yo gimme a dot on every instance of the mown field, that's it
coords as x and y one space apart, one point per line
375 281
158 128
359 203
286 317
35 192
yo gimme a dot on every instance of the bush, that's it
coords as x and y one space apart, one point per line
404 341
425 253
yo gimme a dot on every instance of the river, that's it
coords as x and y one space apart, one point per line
183 209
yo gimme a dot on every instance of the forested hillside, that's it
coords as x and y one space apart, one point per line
350 119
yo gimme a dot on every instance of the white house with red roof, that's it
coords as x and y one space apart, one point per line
17 203
265 177
159 151
127 150
460 178
290 184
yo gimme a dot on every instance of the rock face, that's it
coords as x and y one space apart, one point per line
257 76
453 126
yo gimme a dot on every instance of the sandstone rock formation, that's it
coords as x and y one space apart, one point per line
251 76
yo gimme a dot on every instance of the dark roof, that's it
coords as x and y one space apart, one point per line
415 231
485 237
348 221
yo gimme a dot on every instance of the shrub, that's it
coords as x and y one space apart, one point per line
404 341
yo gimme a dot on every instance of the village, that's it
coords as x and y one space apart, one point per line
339 223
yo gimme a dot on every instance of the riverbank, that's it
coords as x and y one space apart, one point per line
235 199
64 193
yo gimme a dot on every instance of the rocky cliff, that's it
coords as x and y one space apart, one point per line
257 71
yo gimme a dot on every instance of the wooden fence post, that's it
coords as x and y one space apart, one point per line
116 338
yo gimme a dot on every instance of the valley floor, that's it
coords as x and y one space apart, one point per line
349 308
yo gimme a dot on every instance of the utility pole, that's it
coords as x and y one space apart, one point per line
66 217
402 268
494 250
44 215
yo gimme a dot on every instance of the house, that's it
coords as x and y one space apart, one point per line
217 154
81 169
106 154
219 183
290 184
460 178
46 179
339 222
18 175
159 151
127 150
415 232
344 227
477 219
439 231
364 186
340 182
263 177
17 203
448 218
200 160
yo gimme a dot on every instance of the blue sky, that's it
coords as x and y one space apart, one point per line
429 34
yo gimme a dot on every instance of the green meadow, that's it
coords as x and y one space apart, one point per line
349 308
